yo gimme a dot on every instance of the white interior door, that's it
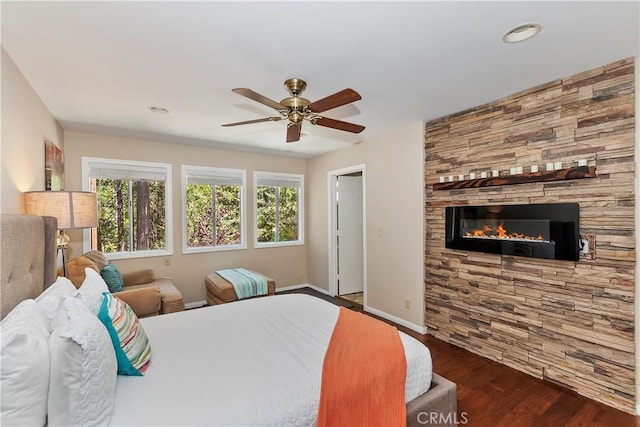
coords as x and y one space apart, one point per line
349 236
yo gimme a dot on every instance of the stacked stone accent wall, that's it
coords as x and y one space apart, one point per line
570 323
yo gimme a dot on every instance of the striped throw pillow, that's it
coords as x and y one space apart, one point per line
133 351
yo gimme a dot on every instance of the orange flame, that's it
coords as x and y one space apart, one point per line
500 233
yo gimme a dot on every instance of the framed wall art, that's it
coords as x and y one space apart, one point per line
53 167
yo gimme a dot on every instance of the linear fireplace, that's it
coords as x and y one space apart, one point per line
532 230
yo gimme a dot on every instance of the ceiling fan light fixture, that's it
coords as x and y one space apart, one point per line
296 117
522 32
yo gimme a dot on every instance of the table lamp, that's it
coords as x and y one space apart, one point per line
73 209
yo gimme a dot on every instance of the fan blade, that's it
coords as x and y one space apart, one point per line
247 122
257 97
293 132
343 97
338 124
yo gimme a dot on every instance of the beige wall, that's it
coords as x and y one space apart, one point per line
26 123
394 205
317 218
394 224
287 265
394 200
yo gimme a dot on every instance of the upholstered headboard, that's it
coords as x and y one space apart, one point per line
27 257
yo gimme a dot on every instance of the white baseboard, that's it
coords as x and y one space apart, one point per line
399 321
303 285
195 304
419 329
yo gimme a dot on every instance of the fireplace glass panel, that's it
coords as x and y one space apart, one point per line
534 230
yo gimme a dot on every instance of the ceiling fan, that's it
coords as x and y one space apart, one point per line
296 109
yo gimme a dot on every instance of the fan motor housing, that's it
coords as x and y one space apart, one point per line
295 102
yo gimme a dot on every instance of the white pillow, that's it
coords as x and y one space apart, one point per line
24 365
91 290
83 368
51 299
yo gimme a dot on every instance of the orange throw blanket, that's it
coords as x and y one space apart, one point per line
363 374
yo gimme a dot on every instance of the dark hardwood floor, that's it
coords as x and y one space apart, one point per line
494 395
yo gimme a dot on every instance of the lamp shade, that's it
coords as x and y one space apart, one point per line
73 209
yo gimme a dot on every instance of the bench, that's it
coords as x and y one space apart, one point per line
220 291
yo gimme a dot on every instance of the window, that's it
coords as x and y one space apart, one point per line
134 207
279 213
214 216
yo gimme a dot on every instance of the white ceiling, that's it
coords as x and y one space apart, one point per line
99 66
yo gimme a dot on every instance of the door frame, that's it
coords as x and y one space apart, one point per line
332 179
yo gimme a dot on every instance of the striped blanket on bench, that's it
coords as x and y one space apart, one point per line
246 283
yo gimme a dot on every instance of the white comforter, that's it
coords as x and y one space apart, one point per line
253 362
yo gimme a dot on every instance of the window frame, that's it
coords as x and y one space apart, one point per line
214 172
278 176
166 168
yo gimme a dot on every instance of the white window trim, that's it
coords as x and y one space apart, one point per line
212 171
278 176
86 184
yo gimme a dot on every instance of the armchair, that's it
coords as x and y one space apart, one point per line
146 294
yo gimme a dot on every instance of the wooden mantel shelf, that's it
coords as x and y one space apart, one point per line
524 178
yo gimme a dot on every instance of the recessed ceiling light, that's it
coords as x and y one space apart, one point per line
521 32
159 110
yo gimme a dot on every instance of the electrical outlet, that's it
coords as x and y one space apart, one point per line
407 304
588 246
584 246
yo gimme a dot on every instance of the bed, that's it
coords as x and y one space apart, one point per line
253 362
